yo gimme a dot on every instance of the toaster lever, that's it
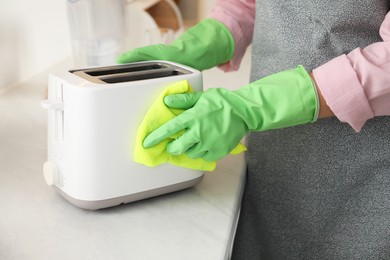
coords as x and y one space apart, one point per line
56 105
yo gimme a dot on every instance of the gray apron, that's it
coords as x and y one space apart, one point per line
317 191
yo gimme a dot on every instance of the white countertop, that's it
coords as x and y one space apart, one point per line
37 223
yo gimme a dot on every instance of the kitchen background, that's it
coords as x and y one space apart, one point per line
34 35
35 222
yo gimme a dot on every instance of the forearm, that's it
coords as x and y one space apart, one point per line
324 110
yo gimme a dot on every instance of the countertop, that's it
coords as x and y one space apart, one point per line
37 223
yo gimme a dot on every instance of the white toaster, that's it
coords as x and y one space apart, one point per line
93 116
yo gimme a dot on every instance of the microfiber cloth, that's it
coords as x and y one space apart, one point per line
158 114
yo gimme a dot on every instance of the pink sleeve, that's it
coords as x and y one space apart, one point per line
238 16
356 86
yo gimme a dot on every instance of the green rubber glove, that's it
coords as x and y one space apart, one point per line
216 120
206 45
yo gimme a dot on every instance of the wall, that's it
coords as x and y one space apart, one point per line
189 10
196 10
34 35
205 7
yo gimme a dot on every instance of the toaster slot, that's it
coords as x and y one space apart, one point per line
142 75
123 69
130 72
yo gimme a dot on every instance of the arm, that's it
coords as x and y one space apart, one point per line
220 40
359 88
238 16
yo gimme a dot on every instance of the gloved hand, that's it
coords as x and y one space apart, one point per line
206 45
216 120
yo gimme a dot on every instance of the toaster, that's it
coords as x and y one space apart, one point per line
93 116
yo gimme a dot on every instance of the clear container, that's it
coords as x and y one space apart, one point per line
97 29
160 36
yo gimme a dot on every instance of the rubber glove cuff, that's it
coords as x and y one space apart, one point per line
283 99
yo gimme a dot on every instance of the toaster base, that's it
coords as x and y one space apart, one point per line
106 203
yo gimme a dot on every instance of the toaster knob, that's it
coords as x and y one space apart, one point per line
51 173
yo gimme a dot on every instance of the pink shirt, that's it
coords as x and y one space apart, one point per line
359 86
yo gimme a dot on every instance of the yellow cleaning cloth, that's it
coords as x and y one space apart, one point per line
157 115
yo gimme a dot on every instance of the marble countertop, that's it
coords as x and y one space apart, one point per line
37 223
